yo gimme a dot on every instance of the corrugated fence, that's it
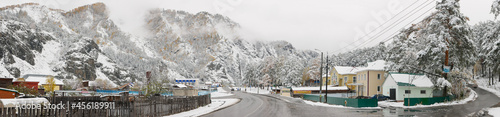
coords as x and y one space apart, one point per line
426 101
94 106
350 102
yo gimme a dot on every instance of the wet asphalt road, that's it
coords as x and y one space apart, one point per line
255 105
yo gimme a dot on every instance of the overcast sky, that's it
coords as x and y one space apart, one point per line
328 25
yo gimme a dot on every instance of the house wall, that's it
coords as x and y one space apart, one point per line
388 84
324 80
370 81
57 87
342 82
7 94
33 85
415 92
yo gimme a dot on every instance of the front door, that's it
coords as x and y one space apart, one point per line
393 94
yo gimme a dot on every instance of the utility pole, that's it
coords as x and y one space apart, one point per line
445 75
320 76
326 81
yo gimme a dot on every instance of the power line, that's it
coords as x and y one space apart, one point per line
403 25
399 21
381 25
390 37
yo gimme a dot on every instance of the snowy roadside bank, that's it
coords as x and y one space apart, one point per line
335 106
214 106
495 89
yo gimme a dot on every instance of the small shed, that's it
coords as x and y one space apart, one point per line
8 93
402 85
5 82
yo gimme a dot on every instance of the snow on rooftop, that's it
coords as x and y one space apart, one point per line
346 70
417 80
42 80
5 89
181 85
378 65
317 88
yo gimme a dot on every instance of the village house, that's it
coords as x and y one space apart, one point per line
401 85
365 81
344 76
370 79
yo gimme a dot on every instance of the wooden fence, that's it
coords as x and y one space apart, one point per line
123 107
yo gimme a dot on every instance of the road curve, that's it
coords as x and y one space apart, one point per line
256 105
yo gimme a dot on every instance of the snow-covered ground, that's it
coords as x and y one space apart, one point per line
215 105
483 83
494 112
471 97
495 89
220 93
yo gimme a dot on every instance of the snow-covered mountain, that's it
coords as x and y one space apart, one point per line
84 43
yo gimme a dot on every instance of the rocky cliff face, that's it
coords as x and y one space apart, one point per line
85 44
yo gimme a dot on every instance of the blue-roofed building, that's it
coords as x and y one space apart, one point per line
192 82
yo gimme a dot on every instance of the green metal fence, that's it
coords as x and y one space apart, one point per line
350 102
426 101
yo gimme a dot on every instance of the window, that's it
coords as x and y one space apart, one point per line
378 76
422 91
354 79
378 88
345 80
407 91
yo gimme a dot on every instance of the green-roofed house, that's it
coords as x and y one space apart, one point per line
402 85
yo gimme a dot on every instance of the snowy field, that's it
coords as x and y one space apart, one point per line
215 105
471 97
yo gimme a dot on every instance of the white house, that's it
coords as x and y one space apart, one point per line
401 85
